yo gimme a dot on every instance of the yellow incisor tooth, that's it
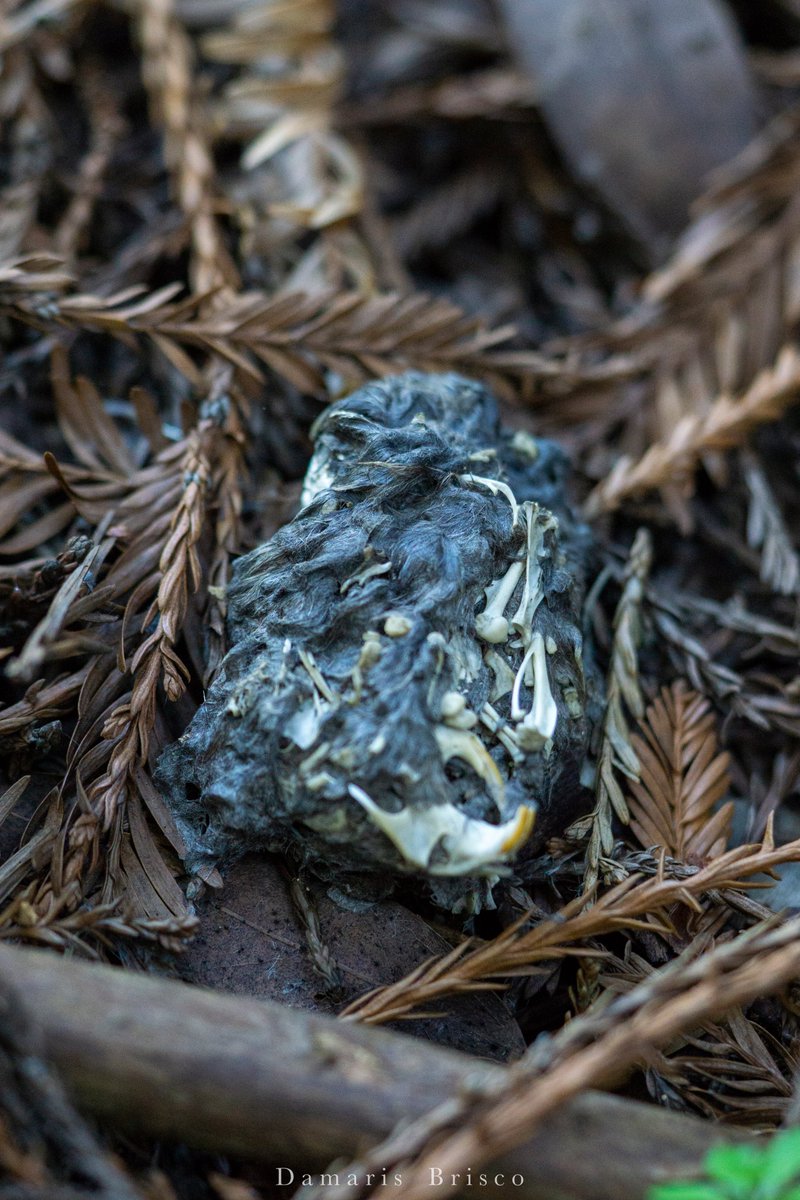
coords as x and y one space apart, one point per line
525 821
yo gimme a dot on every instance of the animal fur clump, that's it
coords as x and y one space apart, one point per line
405 683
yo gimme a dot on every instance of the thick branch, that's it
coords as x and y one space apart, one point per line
268 1082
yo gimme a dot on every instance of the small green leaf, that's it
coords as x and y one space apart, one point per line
685 1191
769 1171
781 1164
735 1165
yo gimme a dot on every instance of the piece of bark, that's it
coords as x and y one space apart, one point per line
251 942
643 97
266 1082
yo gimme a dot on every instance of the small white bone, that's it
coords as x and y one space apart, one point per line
317 678
495 487
539 724
396 625
491 625
503 675
460 743
532 594
364 575
370 653
455 713
491 718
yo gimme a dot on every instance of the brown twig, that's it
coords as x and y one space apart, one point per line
122 1040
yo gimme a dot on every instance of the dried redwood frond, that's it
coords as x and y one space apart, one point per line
167 68
31 274
617 754
149 563
161 562
285 71
300 336
719 311
598 1048
767 530
636 903
728 423
732 1069
682 777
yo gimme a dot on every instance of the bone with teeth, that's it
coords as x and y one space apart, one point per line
471 846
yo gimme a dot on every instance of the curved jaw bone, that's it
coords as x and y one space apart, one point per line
472 847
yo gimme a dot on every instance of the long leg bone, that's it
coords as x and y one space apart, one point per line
532 594
491 625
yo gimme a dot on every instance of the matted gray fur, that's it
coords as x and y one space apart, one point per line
405 682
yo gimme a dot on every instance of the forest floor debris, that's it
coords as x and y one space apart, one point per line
217 218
